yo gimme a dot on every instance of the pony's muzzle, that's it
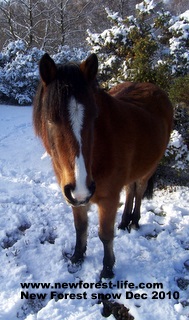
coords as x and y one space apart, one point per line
77 199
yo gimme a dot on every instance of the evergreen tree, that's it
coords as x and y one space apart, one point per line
19 70
150 46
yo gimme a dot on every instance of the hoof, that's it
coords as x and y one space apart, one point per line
74 267
75 264
122 226
129 225
125 223
106 273
119 311
77 259
74 261
135 225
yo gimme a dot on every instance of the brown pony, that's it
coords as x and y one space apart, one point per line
99 143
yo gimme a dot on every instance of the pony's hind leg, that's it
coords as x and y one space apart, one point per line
81 223
127 212
107 212
134 194
141 187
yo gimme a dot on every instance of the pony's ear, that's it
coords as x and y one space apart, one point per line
90 67
47 69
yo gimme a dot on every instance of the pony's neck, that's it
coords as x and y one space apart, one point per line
105 102
108 112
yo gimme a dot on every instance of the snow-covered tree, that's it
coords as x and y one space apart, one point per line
151 45
177 152
19 74
179 44
19 69
65 54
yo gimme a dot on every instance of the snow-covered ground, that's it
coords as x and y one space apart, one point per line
36 229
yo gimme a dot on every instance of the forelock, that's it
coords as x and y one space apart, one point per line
71 78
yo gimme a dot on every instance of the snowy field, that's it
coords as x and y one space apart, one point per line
36 229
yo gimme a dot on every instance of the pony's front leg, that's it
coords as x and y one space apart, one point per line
81 222
107 213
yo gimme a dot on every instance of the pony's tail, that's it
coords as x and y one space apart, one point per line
150 188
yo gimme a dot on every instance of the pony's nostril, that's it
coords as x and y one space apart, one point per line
76 198
68 189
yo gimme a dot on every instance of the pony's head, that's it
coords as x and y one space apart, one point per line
64 116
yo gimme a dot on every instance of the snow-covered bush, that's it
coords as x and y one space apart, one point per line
13 48
19 69
177 151
19 74
151 45
179 43
65 54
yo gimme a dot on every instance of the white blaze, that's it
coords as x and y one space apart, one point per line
76 115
